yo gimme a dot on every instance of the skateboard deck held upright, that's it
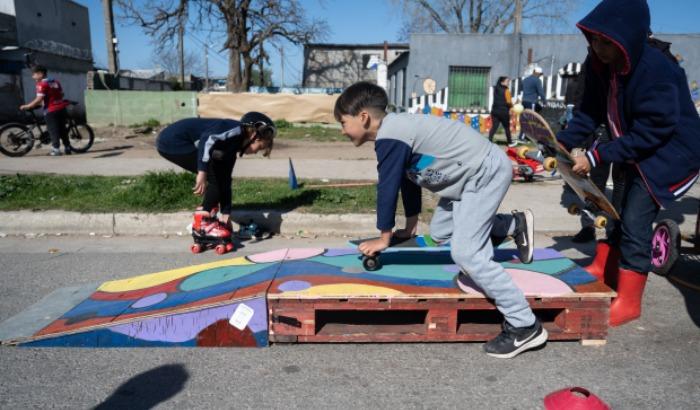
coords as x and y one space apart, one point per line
537 130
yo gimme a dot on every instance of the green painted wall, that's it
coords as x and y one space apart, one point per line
104 107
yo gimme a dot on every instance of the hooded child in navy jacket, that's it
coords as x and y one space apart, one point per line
644 98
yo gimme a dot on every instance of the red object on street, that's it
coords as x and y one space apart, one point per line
574 398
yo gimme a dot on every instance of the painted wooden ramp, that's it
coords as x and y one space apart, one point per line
309 295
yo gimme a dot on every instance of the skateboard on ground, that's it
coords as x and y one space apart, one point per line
420 242
597 205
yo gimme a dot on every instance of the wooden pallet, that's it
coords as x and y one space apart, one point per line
427 320
415 300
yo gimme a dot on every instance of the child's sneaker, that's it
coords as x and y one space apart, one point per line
515 340
55 152
513 144
524 235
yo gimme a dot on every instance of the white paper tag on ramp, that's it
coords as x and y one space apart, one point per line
241 316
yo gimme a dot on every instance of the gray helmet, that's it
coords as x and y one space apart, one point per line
264 128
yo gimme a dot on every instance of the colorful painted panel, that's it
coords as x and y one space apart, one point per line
225 303
338 273
184 307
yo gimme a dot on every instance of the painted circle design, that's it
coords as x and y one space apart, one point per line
294 285
149 300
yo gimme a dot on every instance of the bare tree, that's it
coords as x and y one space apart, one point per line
480 16
247 25
168 60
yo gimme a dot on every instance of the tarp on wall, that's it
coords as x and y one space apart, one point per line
291 107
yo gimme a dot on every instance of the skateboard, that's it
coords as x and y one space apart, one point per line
597 205
420 242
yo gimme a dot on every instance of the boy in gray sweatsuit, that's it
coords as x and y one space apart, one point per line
471 176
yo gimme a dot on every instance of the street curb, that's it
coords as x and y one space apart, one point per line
30 223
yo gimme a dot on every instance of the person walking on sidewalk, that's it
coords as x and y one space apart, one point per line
208 148
533 93
471 176
50 94
644 98
500 110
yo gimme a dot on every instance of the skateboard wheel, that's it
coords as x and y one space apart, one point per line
370 263
522 152
600 222
229 247
549 163
573 209
665 246
196 248
220 249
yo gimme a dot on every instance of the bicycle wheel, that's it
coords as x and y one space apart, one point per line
80 137
15 140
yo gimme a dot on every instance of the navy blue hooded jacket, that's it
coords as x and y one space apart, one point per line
647 105
202 135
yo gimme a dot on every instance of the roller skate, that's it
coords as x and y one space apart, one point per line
208 232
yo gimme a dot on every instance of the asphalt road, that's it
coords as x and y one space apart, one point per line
653 363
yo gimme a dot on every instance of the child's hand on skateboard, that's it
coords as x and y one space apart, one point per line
581 165
201 183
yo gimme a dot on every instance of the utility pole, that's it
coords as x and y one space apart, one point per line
282 60
518 16
109 36
206 67
517 35
181 51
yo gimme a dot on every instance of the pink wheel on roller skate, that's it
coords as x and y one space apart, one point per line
665 246
220 249
229 247
196 248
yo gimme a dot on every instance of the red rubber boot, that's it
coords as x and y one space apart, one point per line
627 306
605 264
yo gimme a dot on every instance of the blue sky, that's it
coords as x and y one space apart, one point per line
356 21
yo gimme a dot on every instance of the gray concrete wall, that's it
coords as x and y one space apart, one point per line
337 67
58 27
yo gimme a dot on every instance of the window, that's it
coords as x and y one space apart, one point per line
468 87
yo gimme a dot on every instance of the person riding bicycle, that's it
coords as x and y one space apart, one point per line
50 93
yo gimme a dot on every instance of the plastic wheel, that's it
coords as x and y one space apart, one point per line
196 248
370 263
600 222
573 209
549 163
522 152
229 247
665 246
220 249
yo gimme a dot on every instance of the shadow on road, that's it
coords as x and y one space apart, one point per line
146 390
685 277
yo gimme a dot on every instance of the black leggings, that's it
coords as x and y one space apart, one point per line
500 118
56 124
218 191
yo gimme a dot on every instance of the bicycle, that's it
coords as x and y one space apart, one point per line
17 139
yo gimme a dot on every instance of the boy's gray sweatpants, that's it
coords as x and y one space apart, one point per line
470 222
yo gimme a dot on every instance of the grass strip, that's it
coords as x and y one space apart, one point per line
170 192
